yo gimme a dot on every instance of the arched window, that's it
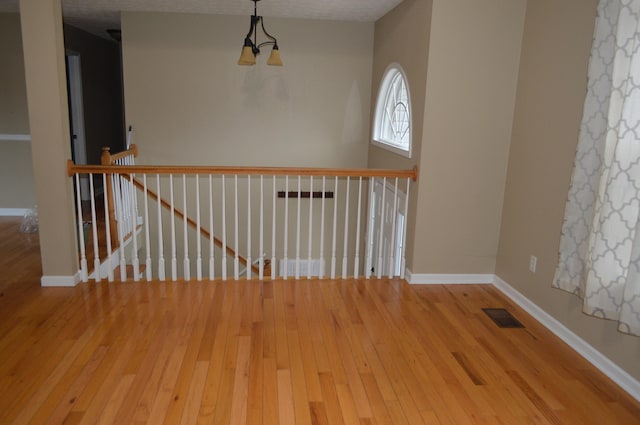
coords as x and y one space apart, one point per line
392 120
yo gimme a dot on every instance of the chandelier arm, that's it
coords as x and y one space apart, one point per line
266 43
273 39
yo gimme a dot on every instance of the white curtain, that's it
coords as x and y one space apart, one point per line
599 258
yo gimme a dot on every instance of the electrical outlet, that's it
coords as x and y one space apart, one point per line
533 263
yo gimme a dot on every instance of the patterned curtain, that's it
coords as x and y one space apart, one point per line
599 258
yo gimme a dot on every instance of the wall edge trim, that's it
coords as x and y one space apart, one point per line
13 212
60 281
15 137
625 381
448 279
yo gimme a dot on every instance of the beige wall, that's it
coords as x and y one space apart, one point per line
551 90
474 54
13 101
190 103
45 75
17 190
16 173
402 37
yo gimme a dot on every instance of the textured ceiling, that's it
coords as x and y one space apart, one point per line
98 15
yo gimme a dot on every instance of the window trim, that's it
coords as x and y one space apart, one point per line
390 72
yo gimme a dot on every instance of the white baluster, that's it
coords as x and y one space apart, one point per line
285 272
335 224
310 236
249 260
224 230
132 162
83 257
394 218
94 230
161 270
120 219
174 260
115 179
198 237
105 181
126 207
381 236
212 273
356 261
404 231
186 263
134 253
368 261
298 230
346 231
261 252
117 191
321 274
273 231
147 264
236 259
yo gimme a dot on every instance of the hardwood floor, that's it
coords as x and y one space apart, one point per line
281 352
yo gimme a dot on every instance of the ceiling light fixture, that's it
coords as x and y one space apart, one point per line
251 48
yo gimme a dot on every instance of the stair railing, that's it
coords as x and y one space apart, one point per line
255 210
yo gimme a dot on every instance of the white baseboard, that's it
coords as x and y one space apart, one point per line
449 279
15 137
13 212
596 358
60 281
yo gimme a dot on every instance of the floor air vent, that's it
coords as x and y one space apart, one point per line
502 318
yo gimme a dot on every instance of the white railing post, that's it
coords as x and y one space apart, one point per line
404 231
285 272
346 231
310 231
198 236
356 261
335 223
249 263
273 231
94 230
224 229
381 235
186 265
121 227
106 179
394 218
83 257
322 202
368 262
236 239
134 220
174 260
298 229
147 264
261 264
212 273
161 266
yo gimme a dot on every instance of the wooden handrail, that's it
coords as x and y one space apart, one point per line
231 170
203 231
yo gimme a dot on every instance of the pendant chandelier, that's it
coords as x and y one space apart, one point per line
251 47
